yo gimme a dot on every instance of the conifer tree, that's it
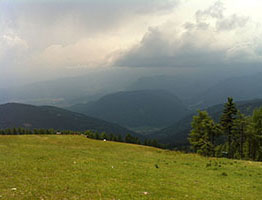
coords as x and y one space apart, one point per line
114 138
97 136
111 137
239 135
14 131
255 135
227 122
8 131
203 133
129 138
155 143
104 136
119 138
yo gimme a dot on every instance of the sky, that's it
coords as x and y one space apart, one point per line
45 39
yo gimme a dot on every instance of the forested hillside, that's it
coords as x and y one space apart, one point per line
235 135
143 108
14 115
177 134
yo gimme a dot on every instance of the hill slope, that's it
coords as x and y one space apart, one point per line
177 133
21 115
74 167
153 108
240 88
184 86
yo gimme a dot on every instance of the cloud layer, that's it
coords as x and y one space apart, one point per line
212 39
48 39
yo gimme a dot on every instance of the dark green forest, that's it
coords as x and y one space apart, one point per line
235 135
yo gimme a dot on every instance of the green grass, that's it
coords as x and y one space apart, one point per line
74 167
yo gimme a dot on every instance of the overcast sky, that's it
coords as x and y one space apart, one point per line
48 39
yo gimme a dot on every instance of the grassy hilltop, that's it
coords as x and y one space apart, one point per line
73 167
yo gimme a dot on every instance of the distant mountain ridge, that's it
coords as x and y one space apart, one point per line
28 116
65 91
240 88
177 133
195 90
184 87
155 108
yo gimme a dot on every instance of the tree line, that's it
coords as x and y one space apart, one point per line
235 135
88 133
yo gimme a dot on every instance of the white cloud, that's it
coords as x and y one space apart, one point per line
214 38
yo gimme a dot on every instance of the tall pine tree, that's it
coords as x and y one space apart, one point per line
227 123
255 135
239 135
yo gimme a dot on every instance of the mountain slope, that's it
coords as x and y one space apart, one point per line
177 133
21 115
153 108
185 87
240 88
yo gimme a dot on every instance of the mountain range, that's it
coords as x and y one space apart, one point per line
177 134
194 90
134 109
160 106
46 117
240 88
28 116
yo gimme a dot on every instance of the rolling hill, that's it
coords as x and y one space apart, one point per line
177 133
74 167
143 108
21 115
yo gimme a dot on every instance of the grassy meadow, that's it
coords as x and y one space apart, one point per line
62 167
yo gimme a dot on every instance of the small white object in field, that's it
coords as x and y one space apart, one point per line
112 167
13 189
74 162
145 193
104 140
